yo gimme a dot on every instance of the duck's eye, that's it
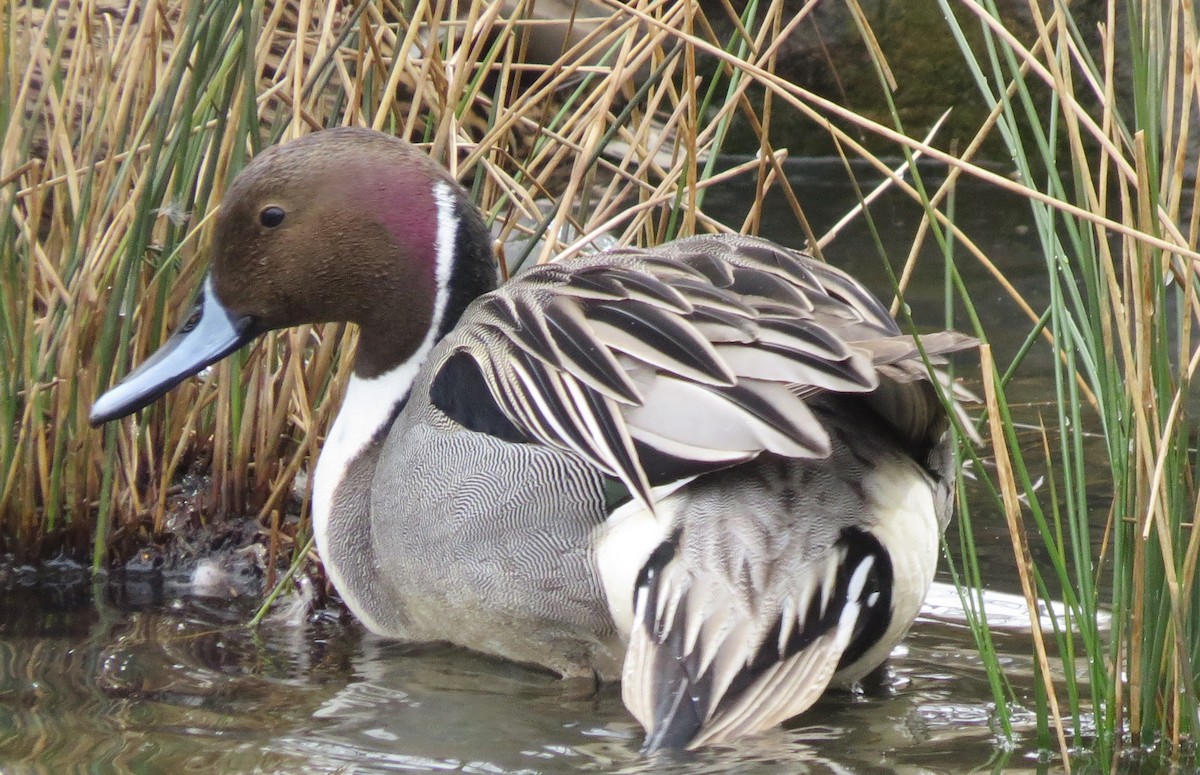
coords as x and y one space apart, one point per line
271 216
193 320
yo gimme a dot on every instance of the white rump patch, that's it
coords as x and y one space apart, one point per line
623 544
906 525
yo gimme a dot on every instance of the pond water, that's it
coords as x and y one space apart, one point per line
92 680
146 677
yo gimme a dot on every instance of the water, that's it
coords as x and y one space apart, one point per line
105 677
90 682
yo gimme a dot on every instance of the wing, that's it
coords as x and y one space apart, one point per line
655 365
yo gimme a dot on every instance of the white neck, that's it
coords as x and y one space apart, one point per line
367 409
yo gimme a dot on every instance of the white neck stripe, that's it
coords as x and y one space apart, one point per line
447 237
369 405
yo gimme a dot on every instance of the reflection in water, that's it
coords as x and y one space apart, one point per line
152 690
182 686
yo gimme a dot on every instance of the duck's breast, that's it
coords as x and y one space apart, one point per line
487 543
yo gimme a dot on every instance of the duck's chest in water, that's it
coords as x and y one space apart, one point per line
489 544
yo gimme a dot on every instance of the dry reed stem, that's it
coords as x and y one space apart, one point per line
819 109
1012 511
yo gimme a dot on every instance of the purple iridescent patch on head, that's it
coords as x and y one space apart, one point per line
405 205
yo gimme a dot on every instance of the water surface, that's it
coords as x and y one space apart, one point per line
91 683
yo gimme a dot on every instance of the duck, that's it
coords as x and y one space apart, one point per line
715 470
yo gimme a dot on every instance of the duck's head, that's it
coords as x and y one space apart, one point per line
341 225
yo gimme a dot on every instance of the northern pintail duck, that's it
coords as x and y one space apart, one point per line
714 469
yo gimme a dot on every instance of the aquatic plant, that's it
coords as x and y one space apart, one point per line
1101 128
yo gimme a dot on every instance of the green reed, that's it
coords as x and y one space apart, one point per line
1119 323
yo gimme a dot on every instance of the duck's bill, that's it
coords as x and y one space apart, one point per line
210 333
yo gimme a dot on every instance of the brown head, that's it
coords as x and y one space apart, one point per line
341 225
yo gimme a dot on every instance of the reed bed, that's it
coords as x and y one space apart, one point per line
123 124
1100 124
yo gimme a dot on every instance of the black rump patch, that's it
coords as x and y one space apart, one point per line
876 596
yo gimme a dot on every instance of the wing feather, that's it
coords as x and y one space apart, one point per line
597 367
659 338
704 351
729 421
